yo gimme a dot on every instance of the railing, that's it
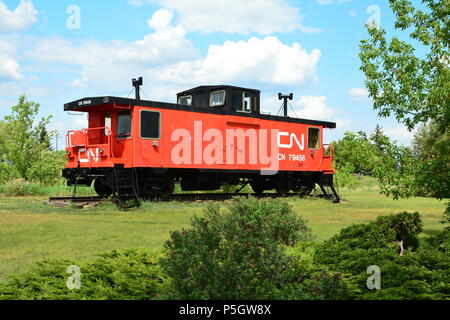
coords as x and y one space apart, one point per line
83 139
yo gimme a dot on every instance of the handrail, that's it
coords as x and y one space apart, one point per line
85 132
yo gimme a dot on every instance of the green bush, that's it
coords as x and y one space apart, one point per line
310 281
236 254
118 275
8 172
345 177
20 188
47 169
420 271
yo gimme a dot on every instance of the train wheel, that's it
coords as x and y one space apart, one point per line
304 191
147 189
102 188
257 188
283 187
167 190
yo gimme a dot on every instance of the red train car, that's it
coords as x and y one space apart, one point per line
214 135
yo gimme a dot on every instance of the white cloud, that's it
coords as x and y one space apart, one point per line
399 133
265 60
312 107
107 63
18 19
306 107
9 68
358 95
235 16
167 60
167 44
176 63
343 124
352 13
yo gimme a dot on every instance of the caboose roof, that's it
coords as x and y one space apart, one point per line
86 103
216 88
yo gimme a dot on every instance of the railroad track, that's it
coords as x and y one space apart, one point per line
185 197
223 196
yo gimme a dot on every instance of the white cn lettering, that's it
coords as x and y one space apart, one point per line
292 138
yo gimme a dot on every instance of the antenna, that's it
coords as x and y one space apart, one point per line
137 83
285 98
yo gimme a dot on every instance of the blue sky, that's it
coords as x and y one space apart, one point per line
310 48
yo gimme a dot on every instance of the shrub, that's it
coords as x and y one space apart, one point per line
237 254
47 169
345 177
310 281
7 172
419 271
118 275
20 188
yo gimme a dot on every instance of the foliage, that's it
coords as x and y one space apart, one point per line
355 151
237 254
416 90
345 177
28 152
421 272
421 171
21 188
47 169
8 172
311 281
117 275
431 172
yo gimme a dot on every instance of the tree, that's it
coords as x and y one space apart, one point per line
30 140
355 151
416 90
3 139
378 138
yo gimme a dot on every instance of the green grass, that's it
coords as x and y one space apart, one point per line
31 231
20 188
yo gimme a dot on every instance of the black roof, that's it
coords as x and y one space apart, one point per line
78 105
216 88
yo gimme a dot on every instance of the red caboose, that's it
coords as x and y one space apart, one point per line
214 135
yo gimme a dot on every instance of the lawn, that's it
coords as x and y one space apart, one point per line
31 231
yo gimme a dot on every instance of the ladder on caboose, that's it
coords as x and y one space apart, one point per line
126 187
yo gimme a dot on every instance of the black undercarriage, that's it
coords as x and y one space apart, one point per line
150 183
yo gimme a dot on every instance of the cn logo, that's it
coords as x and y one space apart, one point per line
90 154
292 138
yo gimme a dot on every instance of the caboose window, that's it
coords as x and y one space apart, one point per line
150 124
217 98
314 138
243 102
185 100
124 125
107 123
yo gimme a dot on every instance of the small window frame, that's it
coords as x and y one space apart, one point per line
187 96
117 128
319 138
108 115
217 105
252 101
140 125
